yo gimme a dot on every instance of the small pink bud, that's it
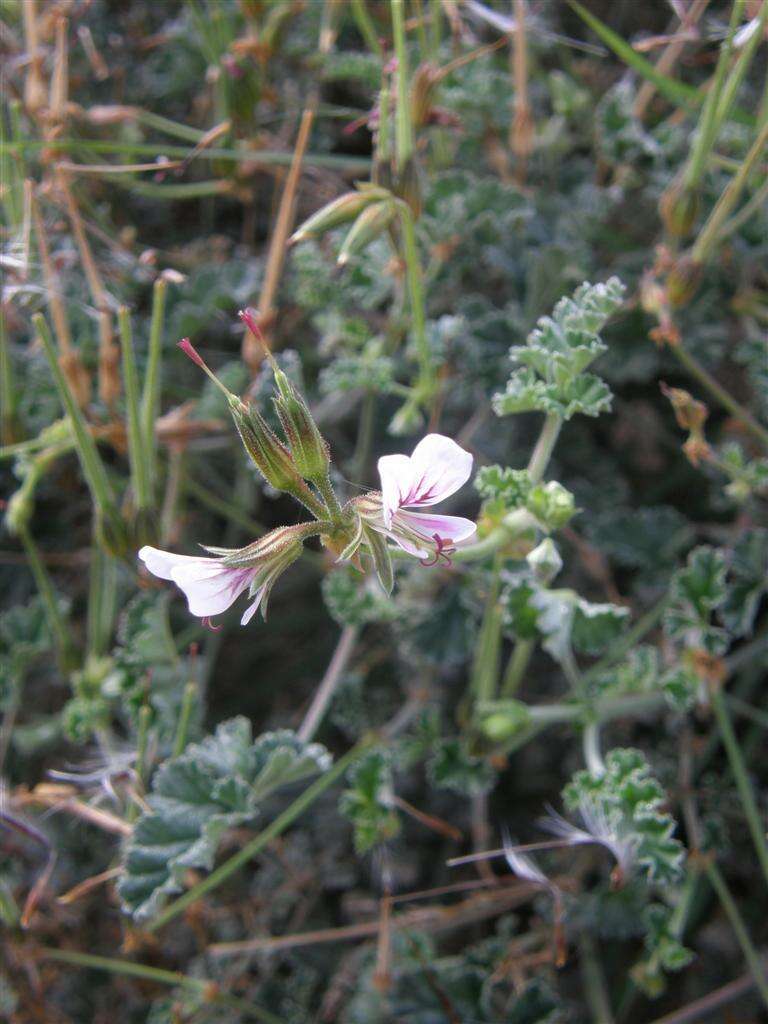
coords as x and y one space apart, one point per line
249 318
189 349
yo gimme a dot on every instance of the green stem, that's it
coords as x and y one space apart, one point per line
272 831
542 453
137 454
594 980
325 487
516 667
709 236
741 777
90 461
8 393
739 69
150 398
593 758
142 742
485 669
366 27
706 130
707 381
102 601
185 716
68 656
205 986
426 384
404 141
729 906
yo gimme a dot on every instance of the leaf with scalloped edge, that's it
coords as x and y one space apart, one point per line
368 801
195 798
631 802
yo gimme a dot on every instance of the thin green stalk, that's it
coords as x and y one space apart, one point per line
739 69
366 27
68 656
272 831
416 292
709 123
185 716
150 398
404 140
325 487
485 669
542 453
137 454
753 206
728 402
709 235
593 757
516 667
593 977
205 986
90 461
142 742
8 393
729 906
102 601
743 785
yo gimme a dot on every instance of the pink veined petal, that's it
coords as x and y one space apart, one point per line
162 563
211 589
439 467
397 477
450 528
402 542
251 610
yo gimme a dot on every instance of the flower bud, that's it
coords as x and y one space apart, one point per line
679 207
271 457
545 562
551 504
307 445
340 211
374 220
683 281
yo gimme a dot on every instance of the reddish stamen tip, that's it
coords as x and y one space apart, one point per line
442 550
209 625
189 349
249 318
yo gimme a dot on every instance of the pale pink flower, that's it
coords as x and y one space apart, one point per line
437 469
211 585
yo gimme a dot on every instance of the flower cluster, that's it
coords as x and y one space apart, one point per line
300 465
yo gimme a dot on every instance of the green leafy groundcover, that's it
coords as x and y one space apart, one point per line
535 230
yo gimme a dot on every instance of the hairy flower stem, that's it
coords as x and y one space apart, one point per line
207 988
68 655
102 600
741 777
137 452
333 676
737 923
537 466
188 701
333 507
404 141
425 386
272 831
725 399
150 396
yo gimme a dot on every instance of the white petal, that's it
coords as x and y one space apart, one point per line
210 589
439 468
451 528
250 611
397 476
162 563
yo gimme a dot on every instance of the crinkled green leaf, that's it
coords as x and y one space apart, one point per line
368 801
354 598
696 591
639 538
511 485
213 786
453 767
664 951
747 583
631 801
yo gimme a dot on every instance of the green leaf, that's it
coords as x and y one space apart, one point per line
512 486
595 626
524 393
354 599
368 801
664 951
586 394
453 767
696 591
748 582
631 802
196 797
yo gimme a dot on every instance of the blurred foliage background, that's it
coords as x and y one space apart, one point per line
156 159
